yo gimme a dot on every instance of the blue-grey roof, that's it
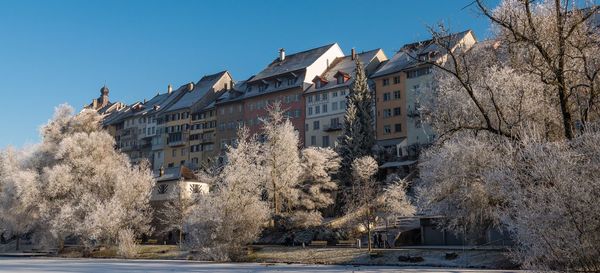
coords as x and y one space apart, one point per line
406 57
203 86
292 62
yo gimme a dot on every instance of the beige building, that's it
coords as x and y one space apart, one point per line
400 84
326 97
177 120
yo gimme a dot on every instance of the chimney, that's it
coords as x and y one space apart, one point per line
353 54
169 89
190 86
281 54
95 104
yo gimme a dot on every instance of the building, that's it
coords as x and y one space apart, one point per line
176 119
285 79
326 98
399 84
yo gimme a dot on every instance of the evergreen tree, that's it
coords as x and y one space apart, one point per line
358 136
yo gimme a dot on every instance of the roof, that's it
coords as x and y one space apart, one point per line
406 57
203 86
292 62
174 173
344 65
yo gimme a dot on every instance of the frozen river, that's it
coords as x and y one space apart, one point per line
115 265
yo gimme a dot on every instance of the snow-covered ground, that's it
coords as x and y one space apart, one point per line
115 265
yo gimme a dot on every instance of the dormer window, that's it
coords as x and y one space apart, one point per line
277 83
291 81
341 77
319 82
262 87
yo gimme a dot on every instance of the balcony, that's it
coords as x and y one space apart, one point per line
176 139
332 127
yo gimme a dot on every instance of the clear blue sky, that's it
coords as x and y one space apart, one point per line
52 52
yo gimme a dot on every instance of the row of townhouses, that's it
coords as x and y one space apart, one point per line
191 125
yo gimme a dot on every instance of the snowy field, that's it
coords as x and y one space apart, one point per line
114 265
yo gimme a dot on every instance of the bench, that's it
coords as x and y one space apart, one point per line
348 243
152 241
318 243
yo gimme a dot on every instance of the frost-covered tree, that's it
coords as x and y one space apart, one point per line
173 213
233 214
370 199
281 160
512 114
18 196
315 192
361 202
553 190
358 135
91 191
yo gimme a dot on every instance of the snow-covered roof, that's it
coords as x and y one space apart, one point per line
292 62
344 65
406 57
396 164
174 173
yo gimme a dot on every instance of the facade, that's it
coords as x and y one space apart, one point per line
285 80
399 85
177 119
326 98
193 124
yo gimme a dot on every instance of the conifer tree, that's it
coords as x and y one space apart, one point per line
358 136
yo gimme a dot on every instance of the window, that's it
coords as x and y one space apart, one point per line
162 188
387 130
262 87
418 72
195 188
334 106
387 113
385 82
324 108
277 83
291 81
335 122
397 111
310 111
317 109
297 113
316 125
306 127
310 98
325 141
317 97
387 96
343 92
342 104
313 140
334 94
397 94
170 165
398 127
183 151
174 153
324 96
396 79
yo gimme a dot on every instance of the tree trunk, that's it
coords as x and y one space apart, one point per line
370 240
18 244
180 238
